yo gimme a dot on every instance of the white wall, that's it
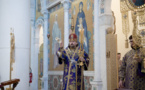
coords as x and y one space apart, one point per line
4 41
16 14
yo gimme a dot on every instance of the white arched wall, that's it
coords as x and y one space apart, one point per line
34 61
15 14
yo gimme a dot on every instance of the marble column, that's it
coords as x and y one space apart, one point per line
32 63
106 20
108 6
66 22
16 14
45 50
97 82
34 84
33 16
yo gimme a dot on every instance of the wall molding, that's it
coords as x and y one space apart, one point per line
52 4
86 73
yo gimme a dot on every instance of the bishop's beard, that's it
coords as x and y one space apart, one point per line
135 48
73 47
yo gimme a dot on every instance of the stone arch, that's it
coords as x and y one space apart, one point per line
38 24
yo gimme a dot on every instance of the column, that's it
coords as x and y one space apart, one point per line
33 62
66 22
108 6
16 14
105 21
32 51
45 50
97 82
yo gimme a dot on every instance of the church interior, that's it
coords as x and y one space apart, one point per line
31 31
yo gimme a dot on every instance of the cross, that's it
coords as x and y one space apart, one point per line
142 33
125 16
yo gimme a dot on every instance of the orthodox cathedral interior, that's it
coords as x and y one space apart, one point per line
31 32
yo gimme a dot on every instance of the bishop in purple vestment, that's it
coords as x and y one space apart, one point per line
73 78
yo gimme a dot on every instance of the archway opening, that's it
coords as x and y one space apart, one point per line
40 58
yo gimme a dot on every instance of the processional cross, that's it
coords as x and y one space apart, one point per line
12 54
81 39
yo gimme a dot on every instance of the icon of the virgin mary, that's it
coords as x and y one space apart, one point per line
81 20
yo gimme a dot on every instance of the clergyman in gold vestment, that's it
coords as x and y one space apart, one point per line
130 72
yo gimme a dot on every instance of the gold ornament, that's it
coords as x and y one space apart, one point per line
125 26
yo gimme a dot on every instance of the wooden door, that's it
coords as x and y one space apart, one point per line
111 57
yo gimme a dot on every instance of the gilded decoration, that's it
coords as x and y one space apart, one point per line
135 4
125 26
138 32
137 9
123 6
142 19
125 20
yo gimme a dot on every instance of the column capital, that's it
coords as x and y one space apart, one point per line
33 22
45 14
65 4
106 19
